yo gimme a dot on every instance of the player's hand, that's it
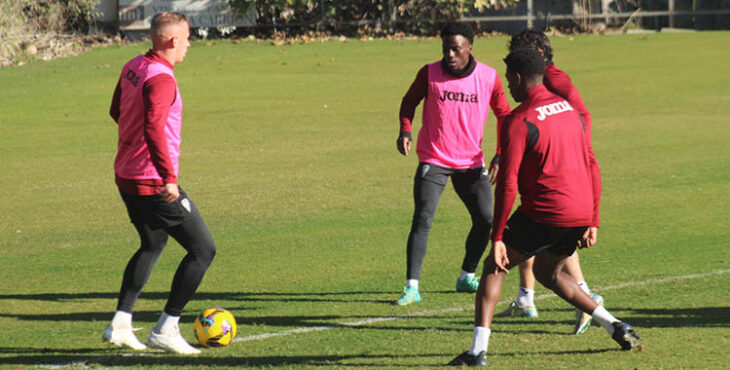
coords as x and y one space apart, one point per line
494 169
404 143
589 239
499 253
171 193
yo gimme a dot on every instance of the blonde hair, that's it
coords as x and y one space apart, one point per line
163 19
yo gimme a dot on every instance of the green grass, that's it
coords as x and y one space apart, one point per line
289 153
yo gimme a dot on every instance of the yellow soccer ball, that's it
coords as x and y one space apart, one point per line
215 327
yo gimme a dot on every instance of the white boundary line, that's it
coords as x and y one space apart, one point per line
82 363
463 308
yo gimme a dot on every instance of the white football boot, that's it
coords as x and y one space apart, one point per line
122 338
173 342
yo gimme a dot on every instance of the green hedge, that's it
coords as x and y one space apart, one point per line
348 16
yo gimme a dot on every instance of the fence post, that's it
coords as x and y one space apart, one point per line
529 13
671 13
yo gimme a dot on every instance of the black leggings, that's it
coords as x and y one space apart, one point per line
473 187
194 236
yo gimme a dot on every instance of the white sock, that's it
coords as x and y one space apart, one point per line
525 297
481 340
584 286
413 283
465 275
604 318
167 324
122 320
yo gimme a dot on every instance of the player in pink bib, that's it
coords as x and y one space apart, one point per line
147 107
458 92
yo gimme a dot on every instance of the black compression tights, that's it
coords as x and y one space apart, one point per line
193 235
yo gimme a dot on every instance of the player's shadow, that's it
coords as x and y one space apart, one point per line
154 359
327 297
642 317
707 317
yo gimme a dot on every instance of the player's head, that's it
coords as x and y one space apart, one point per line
170 33
535 39
525 69
456 43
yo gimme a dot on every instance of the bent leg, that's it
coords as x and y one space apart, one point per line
572 267
194 236
490 288
527 276
427 189
549 272
475 191
140 265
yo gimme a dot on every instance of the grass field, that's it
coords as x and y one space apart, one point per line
289 152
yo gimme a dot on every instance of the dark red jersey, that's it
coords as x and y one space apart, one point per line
546 157
558 82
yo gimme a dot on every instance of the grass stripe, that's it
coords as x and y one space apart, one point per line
83 363
464 308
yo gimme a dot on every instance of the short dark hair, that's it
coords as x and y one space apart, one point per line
531 38
526 61
455 28
164 19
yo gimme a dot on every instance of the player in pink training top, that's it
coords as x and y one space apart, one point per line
458 93
546 158
147 107
557 82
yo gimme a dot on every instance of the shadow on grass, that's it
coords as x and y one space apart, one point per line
138 360
83 357
228 296
651 317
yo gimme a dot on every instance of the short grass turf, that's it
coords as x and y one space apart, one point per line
289 152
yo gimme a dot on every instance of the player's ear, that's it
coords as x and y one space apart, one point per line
518 78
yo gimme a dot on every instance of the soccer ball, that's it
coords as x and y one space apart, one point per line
215 327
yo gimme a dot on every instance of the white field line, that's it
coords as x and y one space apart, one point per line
82 364
464 308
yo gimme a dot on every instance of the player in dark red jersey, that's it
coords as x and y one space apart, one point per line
546 157
557 82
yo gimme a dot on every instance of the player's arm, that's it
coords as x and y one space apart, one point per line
114 108
416 93
513 139
158 94
500 106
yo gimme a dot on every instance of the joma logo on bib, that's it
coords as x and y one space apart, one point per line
551 109
458 96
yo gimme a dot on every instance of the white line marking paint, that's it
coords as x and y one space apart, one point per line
82 364
464 308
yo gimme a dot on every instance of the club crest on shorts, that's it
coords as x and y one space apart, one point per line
186 204
424 170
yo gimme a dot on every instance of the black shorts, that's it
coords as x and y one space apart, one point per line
156 212
531 238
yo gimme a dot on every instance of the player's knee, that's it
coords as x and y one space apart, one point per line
206 254
546 278
421 223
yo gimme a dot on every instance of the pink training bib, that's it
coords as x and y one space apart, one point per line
133 159
454 114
